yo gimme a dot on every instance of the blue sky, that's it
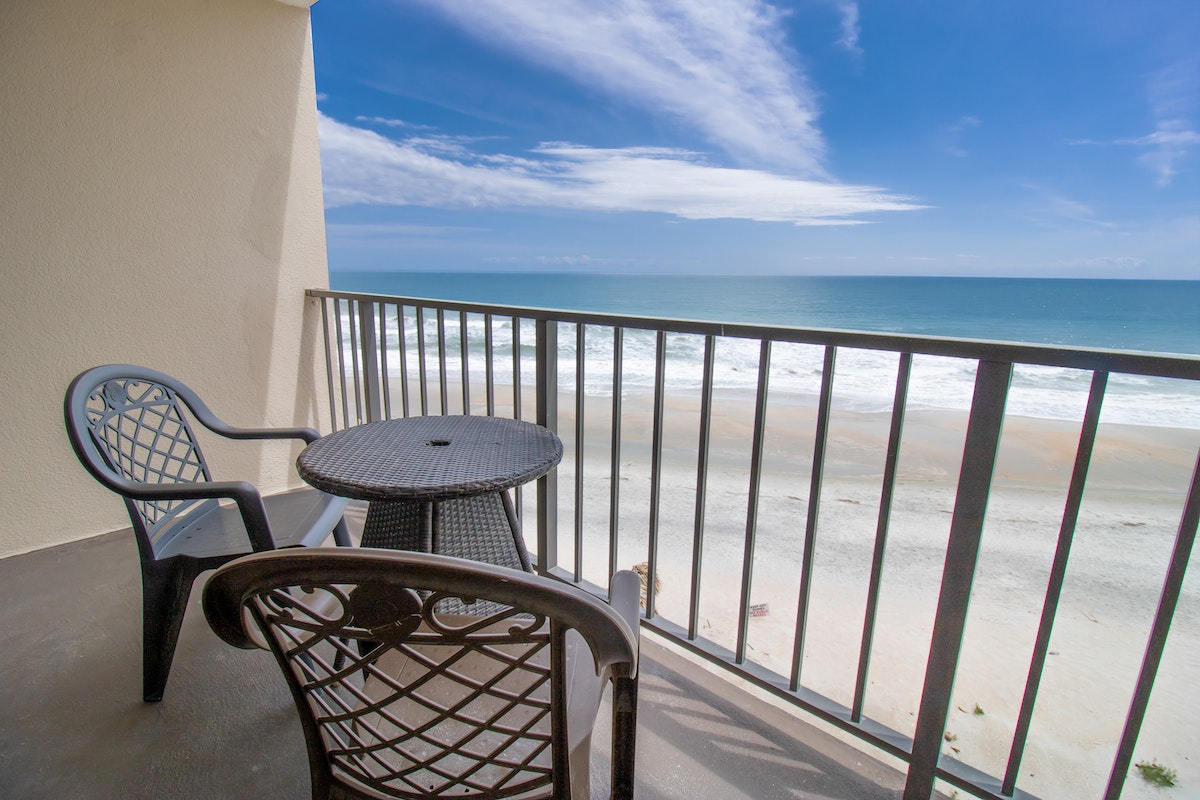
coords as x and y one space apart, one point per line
822 137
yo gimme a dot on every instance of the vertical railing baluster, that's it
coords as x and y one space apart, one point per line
1168 600
341 359
351 321
580 345
756 455
383 362
958 573
329 361
402 346
421 365
1058 571
656 447
546 393
489 365
368 353
518 494
465 352
516 367
614 468
899 403
814 507
706 393
443 378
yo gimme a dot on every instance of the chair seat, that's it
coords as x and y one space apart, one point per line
302 517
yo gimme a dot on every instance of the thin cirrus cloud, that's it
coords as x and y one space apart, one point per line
1053 209
952 135
719 67
1165 148
848 11
1162 150
361 166
1172 95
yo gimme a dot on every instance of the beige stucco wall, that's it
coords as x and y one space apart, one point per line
160 204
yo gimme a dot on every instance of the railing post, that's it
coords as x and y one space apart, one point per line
370 367
547 415
824 409
614 469
656 448
962 552
329 364
756 459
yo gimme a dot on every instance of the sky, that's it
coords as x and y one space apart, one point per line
814 137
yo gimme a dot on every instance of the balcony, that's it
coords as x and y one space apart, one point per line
191 215
801 640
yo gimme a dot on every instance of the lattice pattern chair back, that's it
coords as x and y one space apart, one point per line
140 428
402 699
129 428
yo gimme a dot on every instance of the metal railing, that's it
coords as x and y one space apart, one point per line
471 358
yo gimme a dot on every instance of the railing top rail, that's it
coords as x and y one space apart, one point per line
1164 365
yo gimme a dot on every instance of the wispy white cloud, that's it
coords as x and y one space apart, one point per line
1165 148
1105 264
1053 209
1174 96
850 27
1071 209
1175 99
394 230
720 67
364 167
393 123
952 135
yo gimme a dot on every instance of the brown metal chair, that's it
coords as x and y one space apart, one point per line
401 699
129 429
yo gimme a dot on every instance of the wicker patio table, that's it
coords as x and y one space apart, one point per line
436 484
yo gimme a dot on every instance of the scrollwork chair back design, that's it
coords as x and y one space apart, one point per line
403 695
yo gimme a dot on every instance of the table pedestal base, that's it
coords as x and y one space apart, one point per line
481 528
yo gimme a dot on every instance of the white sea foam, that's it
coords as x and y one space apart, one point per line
864 380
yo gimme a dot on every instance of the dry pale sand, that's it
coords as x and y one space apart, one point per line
1124 538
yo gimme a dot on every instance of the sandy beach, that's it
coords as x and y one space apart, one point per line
1124 537
1119 557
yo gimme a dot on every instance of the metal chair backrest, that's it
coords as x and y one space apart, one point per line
129 422
404 700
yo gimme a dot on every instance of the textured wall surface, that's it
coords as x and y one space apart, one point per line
160 192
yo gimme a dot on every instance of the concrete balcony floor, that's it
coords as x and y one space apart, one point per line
72 723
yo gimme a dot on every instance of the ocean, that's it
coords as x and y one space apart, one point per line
1151 316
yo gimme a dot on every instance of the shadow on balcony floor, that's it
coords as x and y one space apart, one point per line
73 724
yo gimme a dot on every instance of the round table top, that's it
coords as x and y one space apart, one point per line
429 458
